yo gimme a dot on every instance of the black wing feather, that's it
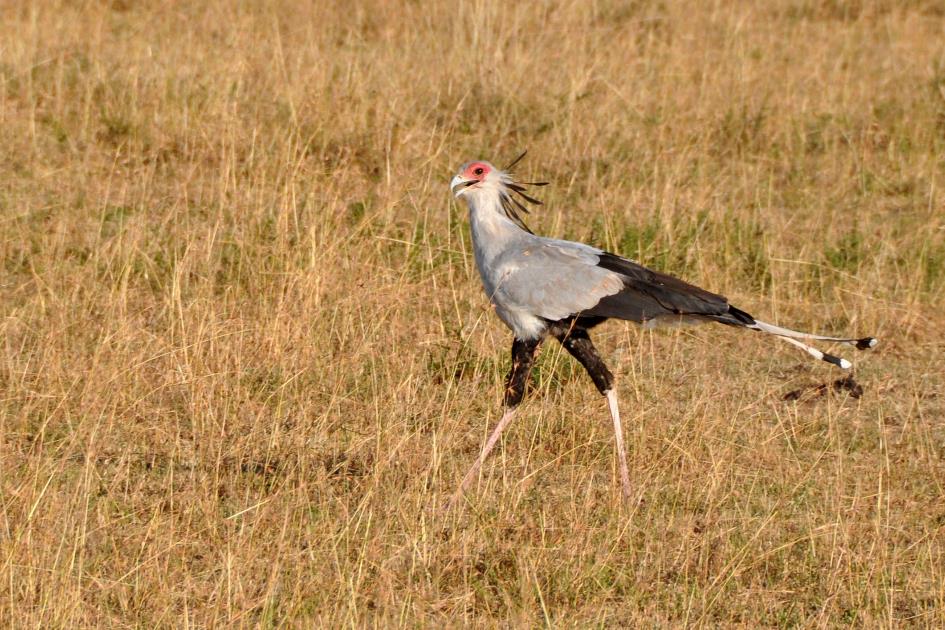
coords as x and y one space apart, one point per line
648 294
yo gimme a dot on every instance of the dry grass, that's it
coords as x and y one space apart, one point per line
246 357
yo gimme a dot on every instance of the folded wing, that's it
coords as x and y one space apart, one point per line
558 279
648 295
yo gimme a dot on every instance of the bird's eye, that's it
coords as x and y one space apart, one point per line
478 171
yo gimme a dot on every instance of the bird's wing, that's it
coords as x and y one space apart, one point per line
557 279
649 294
553 279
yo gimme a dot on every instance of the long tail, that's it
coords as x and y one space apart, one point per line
737 317
863 343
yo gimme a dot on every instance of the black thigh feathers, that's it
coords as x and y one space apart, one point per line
579 345
572 333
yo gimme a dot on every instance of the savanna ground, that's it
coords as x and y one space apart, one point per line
246 356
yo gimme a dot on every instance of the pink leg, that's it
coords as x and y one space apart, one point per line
490 444
618 433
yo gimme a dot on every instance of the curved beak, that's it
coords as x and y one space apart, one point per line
458 185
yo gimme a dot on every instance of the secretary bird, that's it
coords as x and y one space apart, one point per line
543 286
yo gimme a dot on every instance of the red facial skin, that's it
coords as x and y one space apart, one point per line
476 171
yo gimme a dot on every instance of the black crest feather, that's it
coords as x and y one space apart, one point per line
513 205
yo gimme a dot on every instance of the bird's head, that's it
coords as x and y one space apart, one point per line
475 177
480 180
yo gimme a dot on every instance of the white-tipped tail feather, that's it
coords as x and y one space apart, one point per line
817 354
863 343
792 336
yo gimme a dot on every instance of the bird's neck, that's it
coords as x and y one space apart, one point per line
492 231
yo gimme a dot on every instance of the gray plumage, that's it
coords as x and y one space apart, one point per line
533 280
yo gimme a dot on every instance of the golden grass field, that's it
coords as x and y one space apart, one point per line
246 356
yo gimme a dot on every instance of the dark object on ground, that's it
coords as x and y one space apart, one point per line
808 392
